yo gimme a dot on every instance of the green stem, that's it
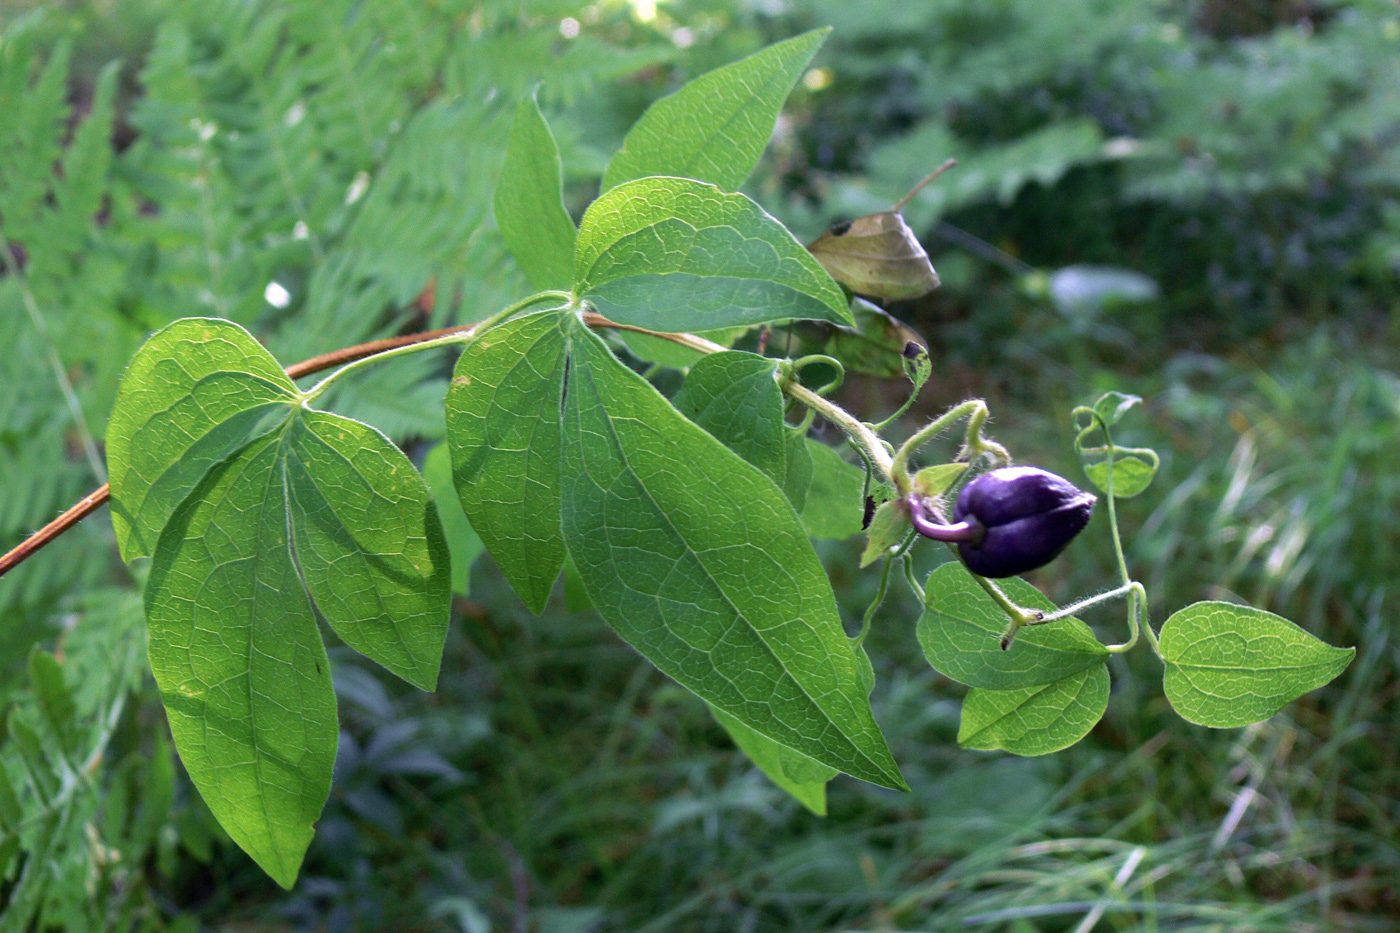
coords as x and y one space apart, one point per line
875 603
1019 616
797 365
860 434
1137 604
464 336
911 580
899 469
1074 608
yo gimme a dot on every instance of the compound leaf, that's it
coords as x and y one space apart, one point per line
673 254
716 127
196 391
696 559
503 416
1035 720
1230 665
960 632
324 509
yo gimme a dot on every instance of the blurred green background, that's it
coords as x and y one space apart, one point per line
1190 200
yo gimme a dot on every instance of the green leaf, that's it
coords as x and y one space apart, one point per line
697 560
239 661
463 542
1112 406
42 773
529 202
369 543
503 414
10 812
1035 720
798 479
735 396
716 127
961 629
1230 665
934 481
196 391
323 509
791 770
834 509
672 254
1131 474
575 596
887 528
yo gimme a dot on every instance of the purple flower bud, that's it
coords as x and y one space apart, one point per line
1028 514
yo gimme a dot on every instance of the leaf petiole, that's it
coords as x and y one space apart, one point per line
463 336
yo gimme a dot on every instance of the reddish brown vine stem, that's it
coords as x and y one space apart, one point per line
94 500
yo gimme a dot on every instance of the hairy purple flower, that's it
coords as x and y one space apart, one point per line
1027 516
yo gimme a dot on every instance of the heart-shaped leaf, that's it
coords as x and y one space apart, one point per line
1230 665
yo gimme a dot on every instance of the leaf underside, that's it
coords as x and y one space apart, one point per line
674 254
1230 665
1035 720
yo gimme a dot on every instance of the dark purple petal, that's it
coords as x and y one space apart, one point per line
1030 515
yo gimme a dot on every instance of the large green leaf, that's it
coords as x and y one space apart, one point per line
239 661
1230 665
697 560
322 514
529 202
1035 720
194 393
791 770
961 628
503 413
717 126
672 254
734 395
